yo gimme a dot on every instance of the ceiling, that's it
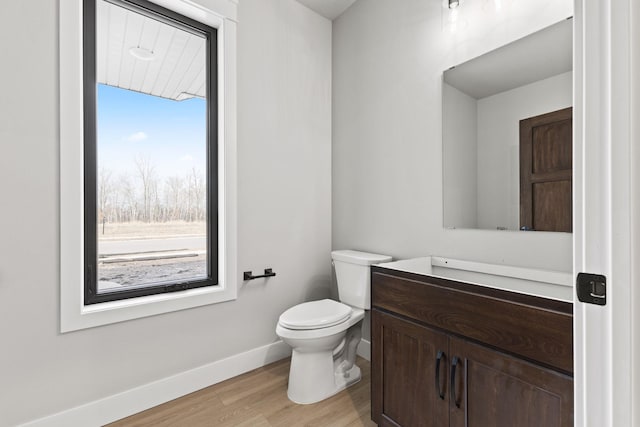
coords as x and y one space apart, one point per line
330 9
538 56
176 69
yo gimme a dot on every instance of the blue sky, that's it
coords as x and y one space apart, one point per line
169 133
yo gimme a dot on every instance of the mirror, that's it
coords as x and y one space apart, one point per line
506 127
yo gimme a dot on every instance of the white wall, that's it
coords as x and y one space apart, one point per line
284 152
499 140
388 58
460 158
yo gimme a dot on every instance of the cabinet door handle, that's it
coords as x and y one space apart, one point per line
454 394
439 357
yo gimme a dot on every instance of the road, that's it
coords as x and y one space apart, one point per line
118 247
149 261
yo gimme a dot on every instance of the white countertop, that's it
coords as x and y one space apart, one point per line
542 283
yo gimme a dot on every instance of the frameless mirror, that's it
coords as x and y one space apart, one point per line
507 126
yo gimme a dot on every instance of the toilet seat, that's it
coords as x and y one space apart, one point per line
315 315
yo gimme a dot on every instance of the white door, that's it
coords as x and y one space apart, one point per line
606 207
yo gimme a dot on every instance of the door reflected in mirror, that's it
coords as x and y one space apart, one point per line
507 126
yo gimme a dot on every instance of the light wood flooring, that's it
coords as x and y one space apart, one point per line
259 398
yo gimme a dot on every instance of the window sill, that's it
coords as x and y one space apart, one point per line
83 317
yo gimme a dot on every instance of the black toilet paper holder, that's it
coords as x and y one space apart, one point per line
268 272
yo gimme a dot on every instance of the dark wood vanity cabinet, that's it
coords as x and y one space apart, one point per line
445 353
403 385
501 390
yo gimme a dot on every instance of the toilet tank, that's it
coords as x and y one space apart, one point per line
354 276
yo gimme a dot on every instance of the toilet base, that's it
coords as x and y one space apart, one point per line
347 379
303 395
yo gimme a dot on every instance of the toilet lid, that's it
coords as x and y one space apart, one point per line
315 315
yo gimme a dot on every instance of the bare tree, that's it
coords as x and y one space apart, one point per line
200 187
195 195
174 188
128 208
156 205
147 176
143 197
105 192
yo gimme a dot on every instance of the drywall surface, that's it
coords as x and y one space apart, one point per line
499 140
284 185
388 59
460 158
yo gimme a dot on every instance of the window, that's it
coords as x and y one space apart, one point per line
149 151
147 166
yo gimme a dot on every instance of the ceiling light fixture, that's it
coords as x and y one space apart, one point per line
453 4
142 53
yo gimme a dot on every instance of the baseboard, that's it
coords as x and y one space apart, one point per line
364 349
117 406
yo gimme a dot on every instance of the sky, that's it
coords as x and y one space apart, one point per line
171 134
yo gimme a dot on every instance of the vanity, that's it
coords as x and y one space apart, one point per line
450 352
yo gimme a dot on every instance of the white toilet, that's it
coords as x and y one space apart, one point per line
325 334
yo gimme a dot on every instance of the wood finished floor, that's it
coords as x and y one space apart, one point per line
259 399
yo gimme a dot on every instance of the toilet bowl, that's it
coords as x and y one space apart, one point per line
324 335
323 357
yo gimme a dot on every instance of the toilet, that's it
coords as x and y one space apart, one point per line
325 334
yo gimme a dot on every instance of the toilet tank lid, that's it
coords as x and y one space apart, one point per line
357 257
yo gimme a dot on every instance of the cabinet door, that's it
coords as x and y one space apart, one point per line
404 390
494 389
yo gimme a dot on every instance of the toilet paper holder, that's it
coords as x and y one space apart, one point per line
268 272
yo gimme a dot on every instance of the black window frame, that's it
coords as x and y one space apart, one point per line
91 294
